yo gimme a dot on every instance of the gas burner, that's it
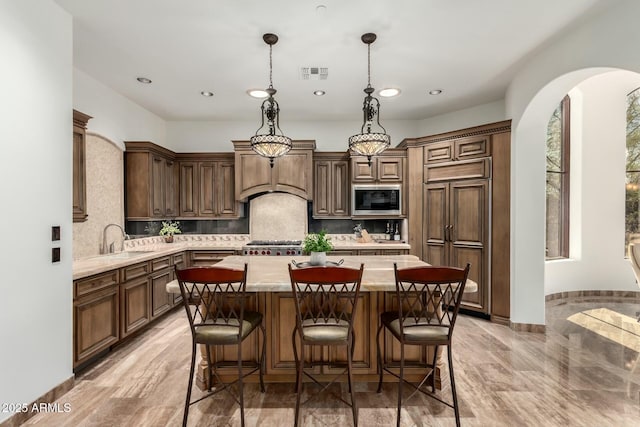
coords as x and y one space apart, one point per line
273 247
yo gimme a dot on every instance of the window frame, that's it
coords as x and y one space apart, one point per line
565 179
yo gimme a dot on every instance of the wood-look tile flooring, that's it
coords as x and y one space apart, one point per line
583 372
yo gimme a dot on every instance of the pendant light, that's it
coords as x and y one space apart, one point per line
372 139
269 141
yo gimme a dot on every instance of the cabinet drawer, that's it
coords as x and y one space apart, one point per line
160 263
438 152
178 260
474 146
95 283
133 271
204 258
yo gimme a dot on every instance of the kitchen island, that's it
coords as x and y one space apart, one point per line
270 293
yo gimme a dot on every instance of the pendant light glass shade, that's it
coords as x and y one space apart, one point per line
269 141
373 138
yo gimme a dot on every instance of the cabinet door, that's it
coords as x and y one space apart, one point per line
436 219
469 219
362 171
390 169
170 188
188 189
161 301
340 187
438 152
207 193
226 187
79 176
253 174
472 147
157 186
134 305
96 323
322 188
293 175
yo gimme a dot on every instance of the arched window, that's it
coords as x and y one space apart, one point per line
632 210
558 142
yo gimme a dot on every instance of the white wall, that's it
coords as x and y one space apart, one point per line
461 119
114 116
597 256
35 181
608 39
184 136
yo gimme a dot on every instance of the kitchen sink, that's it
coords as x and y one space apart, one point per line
124 255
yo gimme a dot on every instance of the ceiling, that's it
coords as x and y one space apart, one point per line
468 48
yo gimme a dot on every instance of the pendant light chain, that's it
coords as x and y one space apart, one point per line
270 66
368 65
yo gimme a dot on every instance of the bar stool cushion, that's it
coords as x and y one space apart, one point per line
322 330
415 329
220 332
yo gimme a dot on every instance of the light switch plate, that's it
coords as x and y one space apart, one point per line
55 254
55 233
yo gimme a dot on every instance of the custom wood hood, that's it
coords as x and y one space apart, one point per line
292 173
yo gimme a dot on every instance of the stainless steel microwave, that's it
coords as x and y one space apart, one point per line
376 199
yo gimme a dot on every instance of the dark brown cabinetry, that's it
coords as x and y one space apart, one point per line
207 258
134 298
388 167
331 185
216 195
79 166
96 318
292 173
456 226
458 208
151 179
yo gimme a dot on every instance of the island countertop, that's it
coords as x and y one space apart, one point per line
270 274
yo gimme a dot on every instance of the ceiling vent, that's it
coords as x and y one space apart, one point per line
314 73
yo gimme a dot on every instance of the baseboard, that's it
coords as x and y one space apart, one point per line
47 398
527 327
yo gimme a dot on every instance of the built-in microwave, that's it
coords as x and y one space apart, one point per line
376 199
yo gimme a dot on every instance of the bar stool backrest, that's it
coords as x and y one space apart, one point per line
213 296
325 295
429 296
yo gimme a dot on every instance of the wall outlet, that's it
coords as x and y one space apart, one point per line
55 254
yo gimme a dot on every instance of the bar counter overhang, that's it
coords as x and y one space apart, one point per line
269 291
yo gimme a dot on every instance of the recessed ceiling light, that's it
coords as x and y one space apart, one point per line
321 9
389 92
206 93
435 92
257 93
143 80
319 92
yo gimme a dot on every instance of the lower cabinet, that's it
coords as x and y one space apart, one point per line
161 300
207 258
96 323
134 305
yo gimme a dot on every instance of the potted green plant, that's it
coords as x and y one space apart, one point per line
169 228
317 245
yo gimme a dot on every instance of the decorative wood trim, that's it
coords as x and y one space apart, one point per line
80 119
632 295
49 397
146 146
302 144
527 327
491 128
331 155
205 157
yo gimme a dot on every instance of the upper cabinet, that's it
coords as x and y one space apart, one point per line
331 185
458 149
291 173
207 186
387 167
151 181
79 166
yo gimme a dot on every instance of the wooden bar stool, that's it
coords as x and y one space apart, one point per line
428 303
325 300
214 299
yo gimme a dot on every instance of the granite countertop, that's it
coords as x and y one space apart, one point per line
271 274
144 249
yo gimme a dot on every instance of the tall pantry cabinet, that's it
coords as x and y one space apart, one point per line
459 209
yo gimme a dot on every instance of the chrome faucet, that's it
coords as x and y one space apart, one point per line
109 249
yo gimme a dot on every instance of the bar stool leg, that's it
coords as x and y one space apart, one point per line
433 372
354 408
400 383
190 385
263 362
295 357
456 409
379 354
300 366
